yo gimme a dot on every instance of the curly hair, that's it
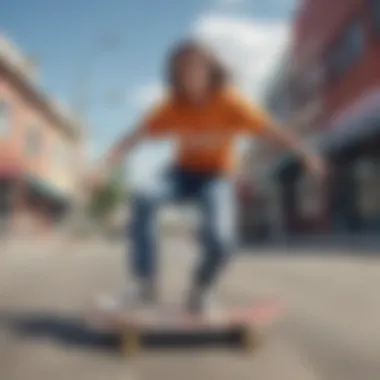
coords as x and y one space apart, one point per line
219 75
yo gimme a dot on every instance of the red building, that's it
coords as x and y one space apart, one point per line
327 89
336 54
344 37
40 148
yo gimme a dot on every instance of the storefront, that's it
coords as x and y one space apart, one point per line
5 204
253 222
30 204
348 202
367 173
10 171
45 200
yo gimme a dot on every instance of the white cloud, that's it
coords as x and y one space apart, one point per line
249 47
146 95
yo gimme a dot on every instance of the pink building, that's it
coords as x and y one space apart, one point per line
40 147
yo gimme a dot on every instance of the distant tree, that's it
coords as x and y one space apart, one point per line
107 198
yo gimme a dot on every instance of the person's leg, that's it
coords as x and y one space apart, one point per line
143 245
217 237
143 232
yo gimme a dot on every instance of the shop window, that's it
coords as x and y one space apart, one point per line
4 117
367 173
309 197
375 11
347 50
33 142
309 84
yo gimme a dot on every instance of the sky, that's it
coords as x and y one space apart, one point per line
118 48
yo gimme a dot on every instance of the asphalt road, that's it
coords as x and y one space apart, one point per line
332 331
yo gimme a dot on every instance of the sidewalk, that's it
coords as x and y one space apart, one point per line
25 244
369 244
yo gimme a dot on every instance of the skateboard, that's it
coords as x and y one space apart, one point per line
241 327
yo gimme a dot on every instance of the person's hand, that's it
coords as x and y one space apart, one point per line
317 166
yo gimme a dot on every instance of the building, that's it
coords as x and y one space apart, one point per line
332 99
264 214
257 212
295 100
40 148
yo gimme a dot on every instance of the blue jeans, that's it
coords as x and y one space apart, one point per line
214 197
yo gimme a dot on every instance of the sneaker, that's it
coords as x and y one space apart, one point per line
203 304
131 298
112 304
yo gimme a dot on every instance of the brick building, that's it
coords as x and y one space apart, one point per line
335 73
328 90
40 148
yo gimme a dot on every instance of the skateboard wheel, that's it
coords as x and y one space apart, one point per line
250 339
130 343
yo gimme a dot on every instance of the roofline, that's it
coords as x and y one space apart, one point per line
70 126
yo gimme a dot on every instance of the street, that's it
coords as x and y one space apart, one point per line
331 332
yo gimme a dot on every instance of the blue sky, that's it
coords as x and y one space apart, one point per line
65 34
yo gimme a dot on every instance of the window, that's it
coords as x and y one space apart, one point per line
347 50
309 83
33 142
375 11
310 197
367 173
4 116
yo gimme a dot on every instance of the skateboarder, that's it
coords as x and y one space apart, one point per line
204 114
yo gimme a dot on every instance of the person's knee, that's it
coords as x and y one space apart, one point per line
223 231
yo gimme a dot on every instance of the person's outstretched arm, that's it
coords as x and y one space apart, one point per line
285 138
258 123
154 125
123 146
114 155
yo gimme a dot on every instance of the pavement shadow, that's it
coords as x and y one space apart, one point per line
66 330
73 331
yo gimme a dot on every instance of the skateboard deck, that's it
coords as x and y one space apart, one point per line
242 326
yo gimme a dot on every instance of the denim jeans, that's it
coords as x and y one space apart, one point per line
213 196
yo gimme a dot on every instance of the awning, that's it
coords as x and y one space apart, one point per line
355 123
9 172
47 189
10 168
